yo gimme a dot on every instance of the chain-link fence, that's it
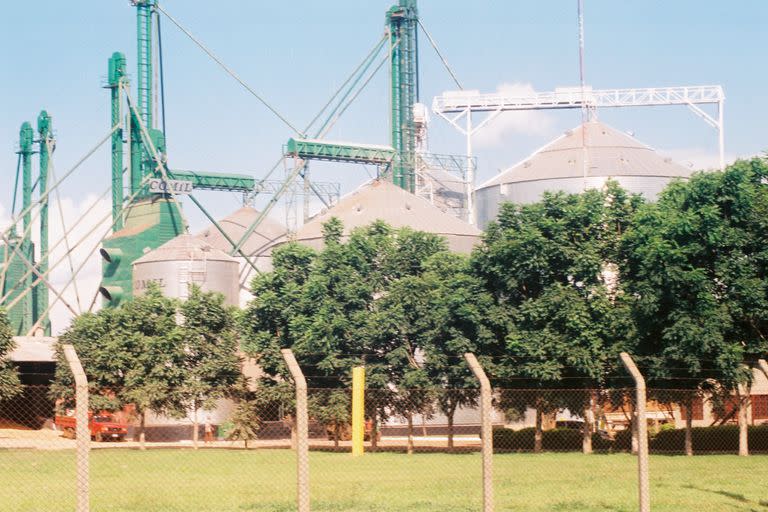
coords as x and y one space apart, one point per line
422 452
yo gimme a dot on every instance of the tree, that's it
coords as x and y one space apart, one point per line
545 266
320 306
9 378
697 270
432 320
132 355
210 360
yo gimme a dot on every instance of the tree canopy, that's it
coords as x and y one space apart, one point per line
9 378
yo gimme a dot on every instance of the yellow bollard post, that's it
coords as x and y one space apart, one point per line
358 410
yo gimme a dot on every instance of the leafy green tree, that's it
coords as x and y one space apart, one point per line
9 378
428 322
545 265
211 364
246 422
327 319
697 272
132 355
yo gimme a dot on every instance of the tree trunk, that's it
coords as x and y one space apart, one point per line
743 401
410 433
450 428
336 428
538 435
195 428
688 408
142 426
586 440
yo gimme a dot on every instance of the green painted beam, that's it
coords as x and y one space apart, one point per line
215 181
312 149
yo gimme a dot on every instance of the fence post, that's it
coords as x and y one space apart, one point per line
642 433
486 430
82 432
358 411
302 430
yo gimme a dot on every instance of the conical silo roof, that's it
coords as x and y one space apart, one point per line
381 200
582 158
609 152
266 234
183 248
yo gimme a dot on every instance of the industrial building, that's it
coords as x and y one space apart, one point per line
582 158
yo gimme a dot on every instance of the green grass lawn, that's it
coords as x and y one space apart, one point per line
264 480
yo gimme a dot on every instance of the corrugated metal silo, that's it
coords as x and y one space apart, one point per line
381 200
582 158
183 261
258 246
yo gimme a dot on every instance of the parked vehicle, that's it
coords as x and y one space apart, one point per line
103 427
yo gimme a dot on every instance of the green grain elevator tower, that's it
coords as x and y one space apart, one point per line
142 221
402 22
26 297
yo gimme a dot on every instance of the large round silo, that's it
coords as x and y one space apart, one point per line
257 246
582 158
184 261
381 200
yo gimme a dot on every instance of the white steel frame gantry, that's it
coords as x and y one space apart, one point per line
455 105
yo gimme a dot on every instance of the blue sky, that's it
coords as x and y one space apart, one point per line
295 54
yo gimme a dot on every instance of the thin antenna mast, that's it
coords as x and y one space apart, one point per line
586 113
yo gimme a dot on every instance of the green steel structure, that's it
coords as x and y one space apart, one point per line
45 143
19 253
26 150
402 22
14 269
215 181
116 80
312 149
147 220
400 157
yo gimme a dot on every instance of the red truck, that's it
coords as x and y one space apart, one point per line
103 427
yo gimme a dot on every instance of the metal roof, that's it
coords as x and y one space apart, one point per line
381 200
266 235
185 247
609 152
33 349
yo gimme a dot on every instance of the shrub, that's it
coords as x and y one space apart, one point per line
718 439
556 440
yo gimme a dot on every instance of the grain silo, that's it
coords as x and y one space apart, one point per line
184 261
258 246
381 200
582 158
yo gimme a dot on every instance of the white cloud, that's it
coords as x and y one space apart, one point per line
698 158
525 122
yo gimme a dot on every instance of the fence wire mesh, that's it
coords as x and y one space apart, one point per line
422 452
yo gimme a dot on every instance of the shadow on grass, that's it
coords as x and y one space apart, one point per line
732 495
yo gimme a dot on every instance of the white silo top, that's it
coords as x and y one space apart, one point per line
185 247
609 153
381 200
266 234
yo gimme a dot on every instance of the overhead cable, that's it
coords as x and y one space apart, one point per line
439 54
229 71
